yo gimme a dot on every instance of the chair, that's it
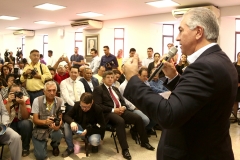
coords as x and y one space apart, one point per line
137 139
235 116
1 145
113 134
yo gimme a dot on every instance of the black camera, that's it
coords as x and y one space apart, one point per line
34 72
57 120
18 94
6 53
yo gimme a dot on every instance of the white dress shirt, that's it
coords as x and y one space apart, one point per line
128 103
146 62
67 92
115 94
50 61
95 64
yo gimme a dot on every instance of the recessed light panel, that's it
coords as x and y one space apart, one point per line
10 18
89 14
48 6
44 22
14 28
162 4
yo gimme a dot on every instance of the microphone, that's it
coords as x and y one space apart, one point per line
171 53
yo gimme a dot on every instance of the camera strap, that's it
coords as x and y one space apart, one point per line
41 69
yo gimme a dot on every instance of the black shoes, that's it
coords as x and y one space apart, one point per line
94 149
126 154
67 153
25 153
151 132
147 146
55 151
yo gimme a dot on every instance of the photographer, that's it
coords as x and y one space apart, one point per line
10 137
10 81
92 125
47 116
35 75
19 109
109 61
10 58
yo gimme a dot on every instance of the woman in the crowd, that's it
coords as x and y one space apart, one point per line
5 70
237 100
183 63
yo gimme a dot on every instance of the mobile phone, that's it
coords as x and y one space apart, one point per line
79 132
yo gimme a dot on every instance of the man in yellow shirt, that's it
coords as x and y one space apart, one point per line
35 75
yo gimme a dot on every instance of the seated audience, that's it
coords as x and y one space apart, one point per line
45 108
10 137
156 84
121 79
101 70
71 89
19 109
10 81
110 100
182 64
117 74
92 125
89 81
11 67
81 72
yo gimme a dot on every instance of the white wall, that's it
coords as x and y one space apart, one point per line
140 33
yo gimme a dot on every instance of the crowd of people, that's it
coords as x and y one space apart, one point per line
68 96
56 99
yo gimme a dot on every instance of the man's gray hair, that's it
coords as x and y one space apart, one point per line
204 18
49 83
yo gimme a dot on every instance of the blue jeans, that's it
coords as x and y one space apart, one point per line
143 116
24 128
94 139
40 147
34 95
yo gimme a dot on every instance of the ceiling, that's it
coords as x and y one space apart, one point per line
111 9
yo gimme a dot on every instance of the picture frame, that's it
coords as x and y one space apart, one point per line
91 41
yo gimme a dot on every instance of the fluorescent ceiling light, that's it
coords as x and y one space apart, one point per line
48 6
44 22
13 28
162 4
89 14
8 18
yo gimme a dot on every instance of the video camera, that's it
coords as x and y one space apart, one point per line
110 64
6 53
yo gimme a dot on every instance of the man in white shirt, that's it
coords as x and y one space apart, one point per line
95 61
148 60
71 89
50 61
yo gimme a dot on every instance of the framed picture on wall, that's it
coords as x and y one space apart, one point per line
91 41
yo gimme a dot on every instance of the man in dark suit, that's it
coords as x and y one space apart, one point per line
195 117
89 81
110 100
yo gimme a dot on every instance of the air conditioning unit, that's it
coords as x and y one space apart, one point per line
27 33
88 24
177 13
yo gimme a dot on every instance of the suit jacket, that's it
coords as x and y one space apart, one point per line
86 85
102 98
195 118
92 117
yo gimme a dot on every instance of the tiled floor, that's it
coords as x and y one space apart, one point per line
107 150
